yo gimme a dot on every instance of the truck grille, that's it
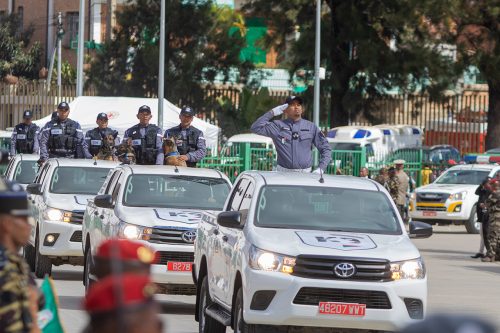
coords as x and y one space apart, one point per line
76 217
322 267
432 197
165 235
432 209
372 299
163 257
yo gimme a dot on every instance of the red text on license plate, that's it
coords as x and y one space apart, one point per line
430 213
345 309
179 266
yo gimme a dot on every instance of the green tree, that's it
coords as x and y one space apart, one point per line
199 48
16 58
368 47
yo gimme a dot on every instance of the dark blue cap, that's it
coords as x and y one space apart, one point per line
291 99
63 105
144 108
28 114
187 111
14 199
102 116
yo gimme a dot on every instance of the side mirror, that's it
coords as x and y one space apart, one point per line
420 230
104 201
230 220
34 188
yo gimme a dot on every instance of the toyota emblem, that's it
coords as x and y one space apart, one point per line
344 270
189 236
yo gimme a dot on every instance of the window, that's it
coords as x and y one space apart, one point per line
245 202
78 180
234 205
72 29
25 172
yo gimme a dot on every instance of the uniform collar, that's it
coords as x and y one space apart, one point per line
291 122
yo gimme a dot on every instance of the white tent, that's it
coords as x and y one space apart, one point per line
122 113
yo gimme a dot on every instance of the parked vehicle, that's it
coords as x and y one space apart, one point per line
159 206
300 252
22 168
451 199
58 197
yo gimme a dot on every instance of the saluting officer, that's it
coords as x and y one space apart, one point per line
62 137
95 137
146 139
25 136
18 292
189 140
293 137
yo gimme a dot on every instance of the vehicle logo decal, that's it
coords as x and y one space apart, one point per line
344 270
338 241
187 217
189 236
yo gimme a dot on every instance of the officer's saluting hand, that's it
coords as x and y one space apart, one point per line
62 137
293 137
146 139
189 140
24 138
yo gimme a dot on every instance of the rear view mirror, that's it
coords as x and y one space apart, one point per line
230 220
420 230
104 201
34 188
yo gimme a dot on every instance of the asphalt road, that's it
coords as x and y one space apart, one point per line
457 284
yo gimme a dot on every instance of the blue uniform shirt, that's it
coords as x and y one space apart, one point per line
80 144
159 141
294 141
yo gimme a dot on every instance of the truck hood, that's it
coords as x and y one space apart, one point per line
68 201
447 188
331 243
153 217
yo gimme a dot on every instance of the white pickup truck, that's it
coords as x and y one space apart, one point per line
159 206
292 253
451 199
58 196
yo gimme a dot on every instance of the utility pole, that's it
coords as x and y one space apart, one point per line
81 50
317 63
60 34
161 69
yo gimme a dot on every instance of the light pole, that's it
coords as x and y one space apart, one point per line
161 67
317 63
60 33
81 38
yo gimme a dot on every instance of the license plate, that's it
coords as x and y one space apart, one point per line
430 213
175 266
344 309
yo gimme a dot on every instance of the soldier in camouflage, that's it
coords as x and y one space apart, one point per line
17 288
392 184
493 205
382 177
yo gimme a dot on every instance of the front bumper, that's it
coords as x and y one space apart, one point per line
175 253
283 311
68 241
445 211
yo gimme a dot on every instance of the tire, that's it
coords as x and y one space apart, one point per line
29 255
239 324
207 324
472 225
43 265
87 281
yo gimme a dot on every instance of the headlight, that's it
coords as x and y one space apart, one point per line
268 261
53 214
132 231
411 269
458 196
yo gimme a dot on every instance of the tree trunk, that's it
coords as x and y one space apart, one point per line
493 134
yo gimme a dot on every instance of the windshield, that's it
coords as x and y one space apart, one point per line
468 177
320 208
25 172
78 180
345 146
175 192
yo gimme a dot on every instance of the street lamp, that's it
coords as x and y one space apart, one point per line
161 67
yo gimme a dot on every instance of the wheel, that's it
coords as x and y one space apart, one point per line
472 224
29 255
238 321
207 324
43 265
87 269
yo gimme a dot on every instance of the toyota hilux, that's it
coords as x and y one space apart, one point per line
308 254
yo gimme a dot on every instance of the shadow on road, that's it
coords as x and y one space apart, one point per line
467 253
67 275
450 232
490 268
70 302
176 308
